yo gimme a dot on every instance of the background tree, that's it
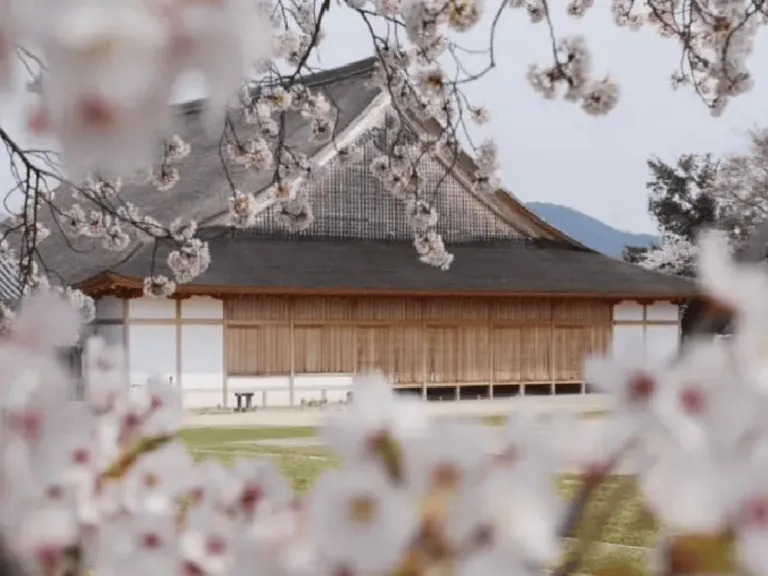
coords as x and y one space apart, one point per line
698 192
740 190
682 203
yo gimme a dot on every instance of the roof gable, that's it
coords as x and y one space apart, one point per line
350 202
203 191
347 202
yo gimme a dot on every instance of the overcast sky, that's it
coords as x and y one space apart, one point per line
550 150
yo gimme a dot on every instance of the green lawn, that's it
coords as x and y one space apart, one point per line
208 436
626 524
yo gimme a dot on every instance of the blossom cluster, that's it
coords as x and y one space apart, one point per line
110 67
716 39
102 483
674 255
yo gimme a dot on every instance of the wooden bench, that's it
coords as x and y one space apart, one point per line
248 396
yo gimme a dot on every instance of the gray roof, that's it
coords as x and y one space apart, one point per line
509 266
360 238
203 193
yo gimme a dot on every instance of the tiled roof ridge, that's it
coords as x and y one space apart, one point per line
319 78
218 231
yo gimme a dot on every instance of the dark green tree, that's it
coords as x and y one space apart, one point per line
682 202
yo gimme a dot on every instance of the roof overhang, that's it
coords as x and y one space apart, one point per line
110 283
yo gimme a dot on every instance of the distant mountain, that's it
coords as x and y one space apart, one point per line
589 231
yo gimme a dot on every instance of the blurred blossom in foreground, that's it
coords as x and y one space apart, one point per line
103 484
111 68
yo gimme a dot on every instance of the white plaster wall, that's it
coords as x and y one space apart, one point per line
628 312
202 308
655 342
113 334
202 365
662 312
109 308
661 341
275 390
152 352
151 309
323 381
254 383
628 340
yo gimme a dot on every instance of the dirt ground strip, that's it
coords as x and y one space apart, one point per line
591 435
292 417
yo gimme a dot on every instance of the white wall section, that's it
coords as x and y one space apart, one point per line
152 352
661 341
151 309
113 334
662 312
202 308
182 341
628 312
628 340
202 365
109 308
651 331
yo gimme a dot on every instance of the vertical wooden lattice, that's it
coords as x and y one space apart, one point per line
415 342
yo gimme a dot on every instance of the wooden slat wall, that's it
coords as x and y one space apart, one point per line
439 341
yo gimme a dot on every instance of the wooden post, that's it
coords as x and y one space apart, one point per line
292 349
126 339
491 346
424 350
177 322
552 351
225 352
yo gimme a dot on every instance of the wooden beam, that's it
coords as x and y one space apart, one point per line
225 352
129 287
552 345
292 350
177 322
425 349
126 340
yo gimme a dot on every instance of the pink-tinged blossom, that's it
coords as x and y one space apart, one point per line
675 255
360 521
107 476
374 423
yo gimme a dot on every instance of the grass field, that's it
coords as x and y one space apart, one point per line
625 533
627 525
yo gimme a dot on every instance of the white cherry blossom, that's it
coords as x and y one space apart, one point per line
360 521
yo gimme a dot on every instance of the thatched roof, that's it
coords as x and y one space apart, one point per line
360 237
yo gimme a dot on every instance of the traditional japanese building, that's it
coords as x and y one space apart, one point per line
291 316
